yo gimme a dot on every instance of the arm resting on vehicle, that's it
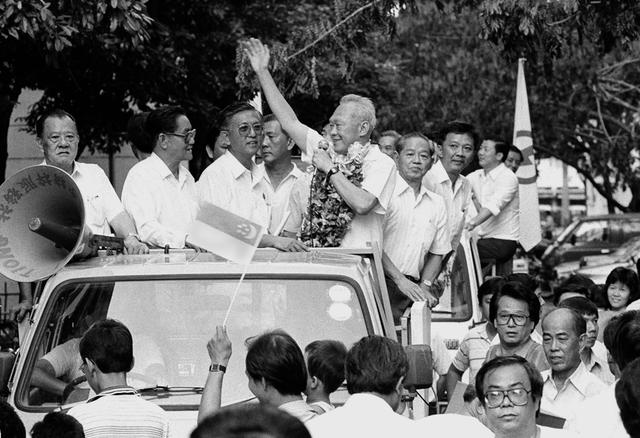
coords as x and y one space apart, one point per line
44 377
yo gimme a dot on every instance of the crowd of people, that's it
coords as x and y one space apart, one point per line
531 365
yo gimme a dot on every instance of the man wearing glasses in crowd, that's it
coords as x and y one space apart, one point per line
235 182
159 192
509 389
515 311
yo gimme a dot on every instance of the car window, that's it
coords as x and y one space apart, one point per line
630 228
455 303
592 232
172 320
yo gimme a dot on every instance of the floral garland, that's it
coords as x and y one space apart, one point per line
328 216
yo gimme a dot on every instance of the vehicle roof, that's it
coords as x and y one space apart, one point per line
610 216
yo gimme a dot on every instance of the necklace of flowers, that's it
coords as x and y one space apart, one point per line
328 216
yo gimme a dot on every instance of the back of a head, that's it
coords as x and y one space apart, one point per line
276 357
517 291
164 119
251 421
109 345
490 286
581 305
622 338
375 364
526 279
366 108
628 398
57 425
137 134
459 127
575 284
325 360
10 423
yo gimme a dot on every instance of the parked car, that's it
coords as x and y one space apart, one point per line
590 235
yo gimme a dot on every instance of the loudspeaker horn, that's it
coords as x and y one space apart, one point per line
41 198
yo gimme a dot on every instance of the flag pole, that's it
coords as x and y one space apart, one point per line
235 294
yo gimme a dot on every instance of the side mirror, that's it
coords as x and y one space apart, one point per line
420 375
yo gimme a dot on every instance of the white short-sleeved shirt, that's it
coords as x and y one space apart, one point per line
279 197
101 203
227 184
563 402
456 198
452 425
298 203
161 206
379 178
498 192
413 226
599 416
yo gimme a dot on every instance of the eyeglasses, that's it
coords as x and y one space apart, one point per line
245 129
517 396
518 319
57 138
83 367
188 136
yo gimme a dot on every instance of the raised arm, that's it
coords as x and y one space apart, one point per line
258 55
219 348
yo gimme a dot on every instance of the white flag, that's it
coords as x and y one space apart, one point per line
530 230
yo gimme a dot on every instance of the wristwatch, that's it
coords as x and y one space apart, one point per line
217 368
427 283
332 171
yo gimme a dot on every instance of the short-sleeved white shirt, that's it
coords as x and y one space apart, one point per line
379 178
456 197
413 226
161 206
227 184
101 203
498 192
279 197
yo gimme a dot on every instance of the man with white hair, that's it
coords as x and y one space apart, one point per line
351 126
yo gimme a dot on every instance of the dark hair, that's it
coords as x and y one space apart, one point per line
459 127
520 292
622 337
57 425
513 148
469 393
137 134
325 360
501 148
525 279
491 285
579 324
391 133
504 361
10 423
402 140
627 277
55 113
227 113
275 357
250 421
375 364
273 118
109 345
628 398
576 283
161 120
582 305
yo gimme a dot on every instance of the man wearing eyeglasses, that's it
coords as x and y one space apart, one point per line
159 192
509 389
235 182
515 311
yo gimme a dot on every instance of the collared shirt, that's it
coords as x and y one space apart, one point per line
298 203
599 416
101 203
456 198
563 402
299 409
161 206
497 191
453 425
379 179
279 197
363 415
227 184
472 351
123 413
414 226
530 350
598 364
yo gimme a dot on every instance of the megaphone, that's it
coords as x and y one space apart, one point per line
41 224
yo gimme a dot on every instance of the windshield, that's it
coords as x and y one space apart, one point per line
628 249
171 322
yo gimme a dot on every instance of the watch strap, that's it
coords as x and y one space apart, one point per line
216 367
